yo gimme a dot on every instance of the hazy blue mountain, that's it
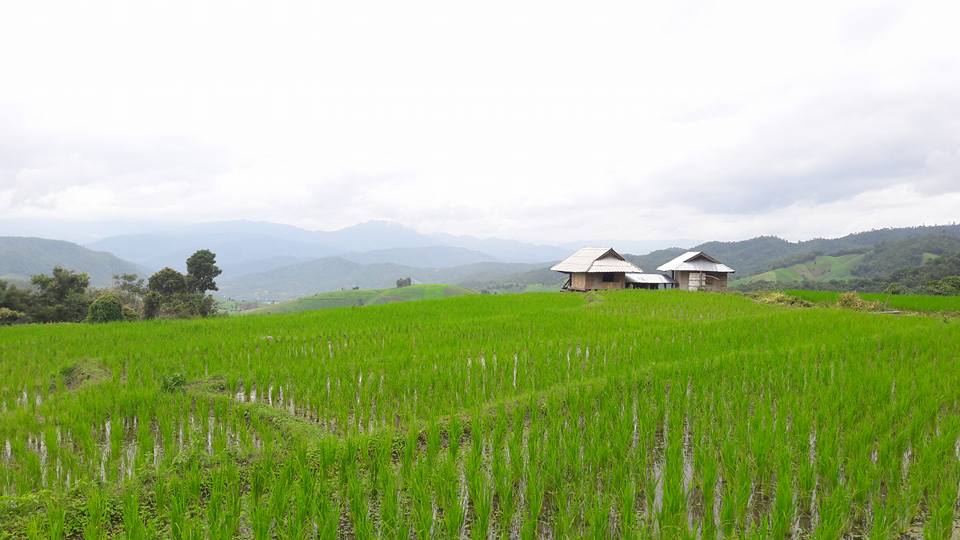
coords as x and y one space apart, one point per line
333 273
239 243
22 257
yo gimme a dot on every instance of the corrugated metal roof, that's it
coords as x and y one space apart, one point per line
595 260
695 261
649 278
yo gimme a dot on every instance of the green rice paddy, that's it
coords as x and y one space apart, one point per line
905 302
639 414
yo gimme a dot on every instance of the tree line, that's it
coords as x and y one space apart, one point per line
66 296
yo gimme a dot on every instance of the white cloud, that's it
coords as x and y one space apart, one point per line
541 120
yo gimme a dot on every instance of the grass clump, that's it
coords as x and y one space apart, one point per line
172 383
852 300
779 298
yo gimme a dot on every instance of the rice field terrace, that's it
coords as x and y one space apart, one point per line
909 302
660 414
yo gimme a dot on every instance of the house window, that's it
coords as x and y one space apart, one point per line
608 278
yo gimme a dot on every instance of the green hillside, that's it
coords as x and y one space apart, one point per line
822 268
363 297
22 257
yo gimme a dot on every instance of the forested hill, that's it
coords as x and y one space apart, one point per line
22 257
765 253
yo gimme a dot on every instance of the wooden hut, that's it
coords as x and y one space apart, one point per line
595 268
697 271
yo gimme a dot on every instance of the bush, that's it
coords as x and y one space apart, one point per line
9 316
949 285
106 308
895 288
130 314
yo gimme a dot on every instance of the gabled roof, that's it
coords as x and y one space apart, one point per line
595 260
695 261
649 278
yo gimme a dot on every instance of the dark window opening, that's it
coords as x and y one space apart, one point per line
608 278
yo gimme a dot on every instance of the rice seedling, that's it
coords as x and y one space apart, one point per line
673 415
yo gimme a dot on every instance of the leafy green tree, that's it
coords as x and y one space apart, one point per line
167 282
14 298
106 308
60 297
129 283
202 270
130 290
175 295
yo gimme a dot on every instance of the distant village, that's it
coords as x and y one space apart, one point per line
593 268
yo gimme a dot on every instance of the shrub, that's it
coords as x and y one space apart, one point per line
947 286
895 288
10 316
105 309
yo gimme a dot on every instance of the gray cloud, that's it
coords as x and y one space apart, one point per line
828 150
35 168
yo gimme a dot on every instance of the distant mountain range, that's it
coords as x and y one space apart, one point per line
247 246
22 257
265 261
332 273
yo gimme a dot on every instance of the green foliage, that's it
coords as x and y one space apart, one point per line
167 282
911 258
106 308
895 288
60 297
9 316
889 257
173 295
151 305
202 270
948 285
14 298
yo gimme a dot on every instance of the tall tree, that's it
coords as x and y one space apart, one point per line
61 296
202 269
14 298
167 282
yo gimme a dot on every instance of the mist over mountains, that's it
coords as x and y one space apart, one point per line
248 246
271 262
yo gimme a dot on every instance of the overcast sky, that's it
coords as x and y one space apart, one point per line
546 121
